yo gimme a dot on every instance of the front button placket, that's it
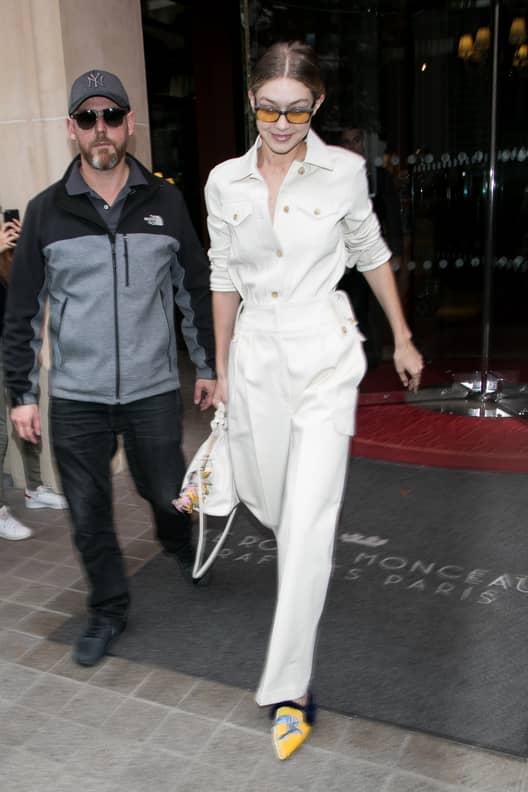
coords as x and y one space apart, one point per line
274 282
281 228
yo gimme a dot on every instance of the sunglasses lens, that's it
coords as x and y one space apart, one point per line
85 119
113 116
293 116
298 116
267 115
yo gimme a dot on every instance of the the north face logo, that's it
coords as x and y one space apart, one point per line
95 80
154 220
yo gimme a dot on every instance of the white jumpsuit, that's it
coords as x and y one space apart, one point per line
295 363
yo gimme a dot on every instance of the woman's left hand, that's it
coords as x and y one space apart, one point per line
409 364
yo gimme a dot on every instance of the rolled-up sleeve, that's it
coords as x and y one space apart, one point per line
220 239
365 246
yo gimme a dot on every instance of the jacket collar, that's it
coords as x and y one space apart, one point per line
81 206
76 185
142 176
317 154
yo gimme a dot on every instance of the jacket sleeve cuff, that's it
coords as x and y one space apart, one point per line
205 373
18 400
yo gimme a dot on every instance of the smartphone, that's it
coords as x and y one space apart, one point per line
11 214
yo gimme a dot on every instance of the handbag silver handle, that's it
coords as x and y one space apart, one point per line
200 567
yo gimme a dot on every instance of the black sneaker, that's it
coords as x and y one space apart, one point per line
93 645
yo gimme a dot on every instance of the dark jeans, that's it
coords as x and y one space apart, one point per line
29 451
84 438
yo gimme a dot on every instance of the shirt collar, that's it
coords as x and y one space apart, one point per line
76 184
246 165
317 154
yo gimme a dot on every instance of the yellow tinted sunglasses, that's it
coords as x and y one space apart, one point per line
269 115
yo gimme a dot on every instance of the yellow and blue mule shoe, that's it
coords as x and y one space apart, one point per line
292 723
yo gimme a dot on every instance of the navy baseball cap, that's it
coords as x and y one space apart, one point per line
97 83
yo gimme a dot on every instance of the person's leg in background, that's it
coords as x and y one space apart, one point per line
10 527
84 441
37 494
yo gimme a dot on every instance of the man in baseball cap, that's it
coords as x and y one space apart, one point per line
112 245
97 83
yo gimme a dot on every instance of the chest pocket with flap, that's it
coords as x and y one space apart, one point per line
235 212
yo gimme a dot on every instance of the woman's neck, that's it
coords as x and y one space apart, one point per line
271 161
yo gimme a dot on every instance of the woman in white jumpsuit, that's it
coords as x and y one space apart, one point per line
284 222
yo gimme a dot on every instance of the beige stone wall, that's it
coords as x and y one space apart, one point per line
32 91
107 34
45 45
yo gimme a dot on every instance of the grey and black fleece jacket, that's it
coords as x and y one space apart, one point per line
111 325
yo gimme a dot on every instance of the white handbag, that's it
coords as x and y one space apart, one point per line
208 488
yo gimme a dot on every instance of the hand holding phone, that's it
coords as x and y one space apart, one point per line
9 233
11 214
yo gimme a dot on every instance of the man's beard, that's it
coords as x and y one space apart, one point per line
104 158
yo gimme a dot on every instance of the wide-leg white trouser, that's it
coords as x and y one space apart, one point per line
294 370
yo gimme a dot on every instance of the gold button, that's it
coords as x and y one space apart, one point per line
286 209
274 295
235 216
343 329
317 211
301 171
279 253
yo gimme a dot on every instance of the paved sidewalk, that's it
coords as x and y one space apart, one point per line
126 726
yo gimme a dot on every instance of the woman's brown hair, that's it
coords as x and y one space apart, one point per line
291 59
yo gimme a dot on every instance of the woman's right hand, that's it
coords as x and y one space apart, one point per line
221 392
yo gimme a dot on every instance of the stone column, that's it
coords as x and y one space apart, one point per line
46 44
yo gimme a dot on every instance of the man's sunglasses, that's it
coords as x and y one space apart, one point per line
292 116
112 116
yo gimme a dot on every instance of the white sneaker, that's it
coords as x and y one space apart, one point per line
44 498
11 528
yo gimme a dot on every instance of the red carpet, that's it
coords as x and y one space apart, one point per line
403 433
412 435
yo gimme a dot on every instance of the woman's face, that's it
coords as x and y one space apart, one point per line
283 136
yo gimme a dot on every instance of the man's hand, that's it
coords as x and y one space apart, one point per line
203 393
26 420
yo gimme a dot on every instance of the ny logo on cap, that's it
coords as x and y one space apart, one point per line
96 80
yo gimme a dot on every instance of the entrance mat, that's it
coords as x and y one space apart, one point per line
427 615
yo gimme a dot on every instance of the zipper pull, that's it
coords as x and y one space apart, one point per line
113 249
127 272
